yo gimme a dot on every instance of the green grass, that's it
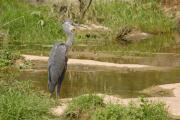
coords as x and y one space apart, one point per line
146 111
91 107
28 24
7 57
147 16
29 27
20 101
82 105
85 102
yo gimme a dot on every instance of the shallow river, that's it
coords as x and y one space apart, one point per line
92 80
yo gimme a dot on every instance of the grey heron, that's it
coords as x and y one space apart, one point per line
57 63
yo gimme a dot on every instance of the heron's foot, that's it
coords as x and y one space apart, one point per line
57 95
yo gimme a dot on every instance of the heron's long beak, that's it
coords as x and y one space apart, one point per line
78 26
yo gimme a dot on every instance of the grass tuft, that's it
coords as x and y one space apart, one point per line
146 111
91 107
20 102
7 57
82 104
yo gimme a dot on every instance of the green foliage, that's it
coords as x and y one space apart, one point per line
146 111
147 16
28 24
19 102
83 103
25 65
152 111
110 112
94 107
7 57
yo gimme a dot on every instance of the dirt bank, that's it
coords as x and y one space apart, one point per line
172 103
95 63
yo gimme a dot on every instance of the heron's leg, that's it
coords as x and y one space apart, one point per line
51 95
60 82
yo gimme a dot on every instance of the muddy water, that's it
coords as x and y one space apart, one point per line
92 80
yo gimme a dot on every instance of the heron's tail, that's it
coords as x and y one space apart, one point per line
51 85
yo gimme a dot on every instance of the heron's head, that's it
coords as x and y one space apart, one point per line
68 27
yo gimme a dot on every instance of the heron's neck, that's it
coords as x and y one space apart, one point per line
70 40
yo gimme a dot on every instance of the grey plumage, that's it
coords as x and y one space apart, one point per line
57 62
56 65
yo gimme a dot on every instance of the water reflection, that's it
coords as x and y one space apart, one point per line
108 81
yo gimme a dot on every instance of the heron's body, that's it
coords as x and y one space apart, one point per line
57 62
57 65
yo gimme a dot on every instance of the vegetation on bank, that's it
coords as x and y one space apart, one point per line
83 104
28 24
92 107
33 27
145 15
29 27
19 101
7 57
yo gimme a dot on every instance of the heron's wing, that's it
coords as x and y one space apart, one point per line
56 64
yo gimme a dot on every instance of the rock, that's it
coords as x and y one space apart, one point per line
172 90
174 87
131 35
157 92
136 36
59 110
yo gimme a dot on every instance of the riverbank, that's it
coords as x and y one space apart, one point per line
172 103
40 23
33 28
169 94
82 62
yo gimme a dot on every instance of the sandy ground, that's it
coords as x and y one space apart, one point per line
172 103
94 63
